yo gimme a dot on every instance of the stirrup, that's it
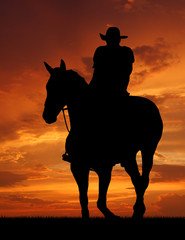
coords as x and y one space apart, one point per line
66 157
126 94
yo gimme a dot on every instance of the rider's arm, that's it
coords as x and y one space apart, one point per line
130 60
97 58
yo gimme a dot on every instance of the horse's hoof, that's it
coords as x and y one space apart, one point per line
85 214
110 215
139 211
137 216
106 212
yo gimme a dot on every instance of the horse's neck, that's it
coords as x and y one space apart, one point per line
77 107
76 115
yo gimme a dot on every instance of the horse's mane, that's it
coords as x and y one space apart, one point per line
75 79
65 79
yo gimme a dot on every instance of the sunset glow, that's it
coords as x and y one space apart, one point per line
34 180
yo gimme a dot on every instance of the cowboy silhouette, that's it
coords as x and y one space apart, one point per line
112 65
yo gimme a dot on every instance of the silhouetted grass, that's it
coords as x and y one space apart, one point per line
80 221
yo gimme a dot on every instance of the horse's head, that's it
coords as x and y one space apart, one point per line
56 91
65 87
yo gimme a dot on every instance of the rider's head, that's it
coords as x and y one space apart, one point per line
113 42
112 36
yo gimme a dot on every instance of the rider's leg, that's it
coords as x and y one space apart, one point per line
81 175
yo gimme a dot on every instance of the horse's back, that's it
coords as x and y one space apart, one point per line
145 117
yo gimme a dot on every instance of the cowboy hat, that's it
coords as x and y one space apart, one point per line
112 33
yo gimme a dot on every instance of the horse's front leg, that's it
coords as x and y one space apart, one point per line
140 183
81 175
104 175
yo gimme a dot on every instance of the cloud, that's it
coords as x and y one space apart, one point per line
152 59
11 156
162 98
131 5
26 203
159 155
171 205
168 173
162 6
171 105
88 62
22 105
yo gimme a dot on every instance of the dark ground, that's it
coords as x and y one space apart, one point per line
70 228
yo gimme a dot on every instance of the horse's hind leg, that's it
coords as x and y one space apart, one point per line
81 175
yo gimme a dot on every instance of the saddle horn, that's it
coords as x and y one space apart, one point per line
48 67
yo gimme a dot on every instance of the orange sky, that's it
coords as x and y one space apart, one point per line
33 178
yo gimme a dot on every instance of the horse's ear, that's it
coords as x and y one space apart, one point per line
49 68
62 65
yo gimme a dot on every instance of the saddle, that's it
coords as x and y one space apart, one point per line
76 145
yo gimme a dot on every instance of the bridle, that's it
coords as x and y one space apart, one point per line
63 110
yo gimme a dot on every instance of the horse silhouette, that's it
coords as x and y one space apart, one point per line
103 132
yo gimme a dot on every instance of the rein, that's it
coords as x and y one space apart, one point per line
63 110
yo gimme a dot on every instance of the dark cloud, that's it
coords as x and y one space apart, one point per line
17 201
27 200
8 130
159 173
164 97
24 116
156 56
11 130
88 62
8 179
171 205
168 5
139 77
168 173
152 59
